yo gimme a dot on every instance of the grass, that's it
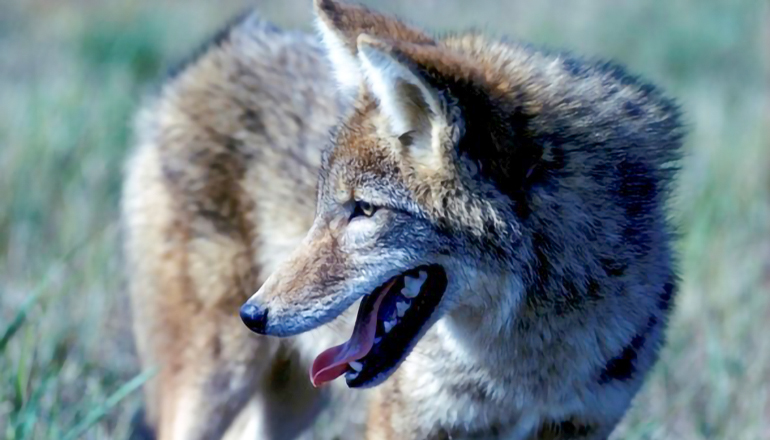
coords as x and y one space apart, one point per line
73 72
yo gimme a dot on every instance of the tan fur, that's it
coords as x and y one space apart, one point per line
532 179
220 188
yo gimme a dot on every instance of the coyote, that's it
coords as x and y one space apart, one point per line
483 220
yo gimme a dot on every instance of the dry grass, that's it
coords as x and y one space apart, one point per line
72 72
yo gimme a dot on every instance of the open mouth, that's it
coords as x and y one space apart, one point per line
389 323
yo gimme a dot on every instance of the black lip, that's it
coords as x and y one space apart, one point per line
385 356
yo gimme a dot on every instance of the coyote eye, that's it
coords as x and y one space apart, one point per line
362 208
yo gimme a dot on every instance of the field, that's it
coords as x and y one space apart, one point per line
72 72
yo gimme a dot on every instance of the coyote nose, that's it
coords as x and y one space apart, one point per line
254 317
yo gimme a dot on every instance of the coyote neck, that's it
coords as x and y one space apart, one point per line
488 330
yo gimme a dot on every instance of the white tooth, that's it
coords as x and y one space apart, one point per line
412 284
388 325
356 366
350 375
377 340
401 308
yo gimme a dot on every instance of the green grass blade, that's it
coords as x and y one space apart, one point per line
29 415
21 315
18 320
97 413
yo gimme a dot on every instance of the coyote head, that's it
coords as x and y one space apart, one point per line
423 193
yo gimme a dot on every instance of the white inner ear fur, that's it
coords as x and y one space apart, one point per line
407 101
346 67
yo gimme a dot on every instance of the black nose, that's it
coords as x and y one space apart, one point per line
254 317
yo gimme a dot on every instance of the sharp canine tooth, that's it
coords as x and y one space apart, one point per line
356 366
377 340
388 325
350 375
401 308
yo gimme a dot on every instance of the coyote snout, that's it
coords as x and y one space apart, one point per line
390 320
312 287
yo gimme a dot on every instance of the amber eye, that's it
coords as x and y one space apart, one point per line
364 209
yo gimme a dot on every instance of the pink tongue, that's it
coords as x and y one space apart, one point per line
333 362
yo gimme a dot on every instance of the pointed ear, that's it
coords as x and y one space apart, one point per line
415 111
340 25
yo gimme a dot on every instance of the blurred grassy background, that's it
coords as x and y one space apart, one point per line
72 72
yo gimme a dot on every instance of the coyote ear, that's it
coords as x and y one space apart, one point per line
413 107
340 25
342 56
